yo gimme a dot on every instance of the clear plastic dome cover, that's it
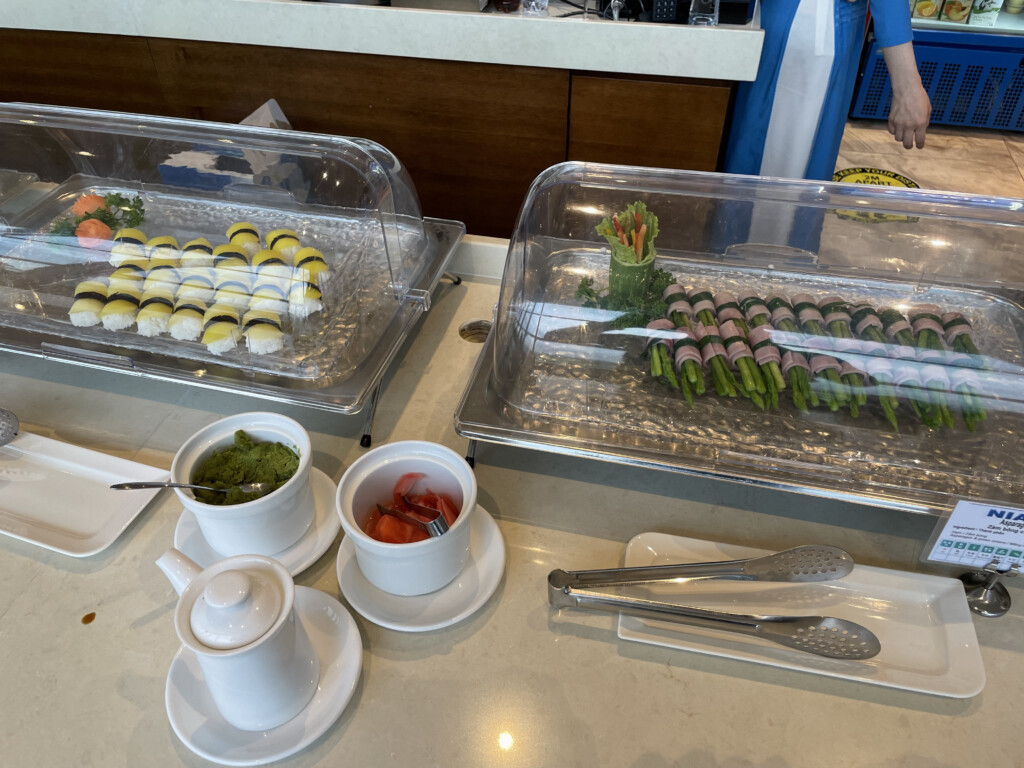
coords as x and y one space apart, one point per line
839 339
281 263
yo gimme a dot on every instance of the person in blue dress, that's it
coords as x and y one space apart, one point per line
789 122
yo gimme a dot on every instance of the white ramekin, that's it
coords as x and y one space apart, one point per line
264 526
423 566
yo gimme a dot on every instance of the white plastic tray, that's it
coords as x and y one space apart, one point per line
925 627
57 495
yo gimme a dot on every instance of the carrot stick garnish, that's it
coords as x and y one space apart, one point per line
618 228
639 244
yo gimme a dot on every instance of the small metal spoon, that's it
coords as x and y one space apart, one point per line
8 426
244 487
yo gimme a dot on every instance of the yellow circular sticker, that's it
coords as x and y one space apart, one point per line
874 176
878 177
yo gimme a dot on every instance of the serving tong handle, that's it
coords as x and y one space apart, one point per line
821 635
810 563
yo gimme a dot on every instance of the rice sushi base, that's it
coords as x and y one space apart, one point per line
269 294
90 296
128 243
154 312
245 236
220 328
284 241
310 266
232 288
262 330
304 299
121 308
186 322
196 283
197 253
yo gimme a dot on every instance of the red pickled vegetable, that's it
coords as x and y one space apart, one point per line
391 530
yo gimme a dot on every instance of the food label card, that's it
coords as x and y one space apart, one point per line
976 533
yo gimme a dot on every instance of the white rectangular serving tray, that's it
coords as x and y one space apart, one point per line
923 623
58 495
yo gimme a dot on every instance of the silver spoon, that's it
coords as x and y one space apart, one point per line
8 426
243 487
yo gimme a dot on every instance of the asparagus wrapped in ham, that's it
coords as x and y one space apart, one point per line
660 349
687 354
957 331
824 367
926 323
752 385
880 371
766 353
837 318
784 319
843 384
896 327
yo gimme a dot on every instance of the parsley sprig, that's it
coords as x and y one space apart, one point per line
633 315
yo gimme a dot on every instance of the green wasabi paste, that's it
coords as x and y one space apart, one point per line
244 462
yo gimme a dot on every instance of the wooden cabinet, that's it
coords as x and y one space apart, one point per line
649 122
473 136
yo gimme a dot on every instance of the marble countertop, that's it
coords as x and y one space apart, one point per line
516 684
720 53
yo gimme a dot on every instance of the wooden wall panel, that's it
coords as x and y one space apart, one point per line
76 70
643 121
473 136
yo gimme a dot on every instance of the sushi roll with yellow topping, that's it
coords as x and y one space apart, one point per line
186 322
284 241
128 243
271 264
197 253
162 273
231 288
165 246
120 309
245 236
196 283
310 266
154 311
220 328
130 274
270 294
262 330
90 296
304 299
230 257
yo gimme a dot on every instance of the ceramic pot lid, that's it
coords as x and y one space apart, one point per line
236 608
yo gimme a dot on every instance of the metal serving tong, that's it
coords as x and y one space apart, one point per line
820 635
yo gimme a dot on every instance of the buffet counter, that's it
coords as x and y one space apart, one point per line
85 644
722 53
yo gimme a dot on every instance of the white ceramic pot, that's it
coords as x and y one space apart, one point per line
238 618
423 566
269 524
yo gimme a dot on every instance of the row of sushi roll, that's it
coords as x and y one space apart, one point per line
215 294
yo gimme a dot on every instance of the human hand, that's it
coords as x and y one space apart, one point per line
908 116
911 107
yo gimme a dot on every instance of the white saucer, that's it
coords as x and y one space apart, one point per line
448 605
299 556
200 726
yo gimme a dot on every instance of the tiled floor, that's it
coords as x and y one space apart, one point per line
953 159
